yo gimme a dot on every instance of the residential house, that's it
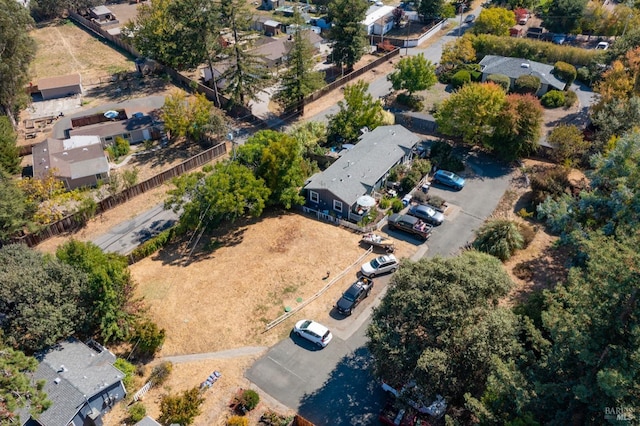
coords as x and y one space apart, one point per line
359 171
274 51
516 67
80 381
378 20
271 28
60 87
102 15
147 421
135 129
272 4
78 161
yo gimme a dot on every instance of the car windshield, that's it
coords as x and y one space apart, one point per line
428 211
305 325
375 263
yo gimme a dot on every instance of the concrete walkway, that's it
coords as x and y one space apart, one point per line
228 354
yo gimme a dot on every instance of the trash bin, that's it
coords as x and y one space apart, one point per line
425 187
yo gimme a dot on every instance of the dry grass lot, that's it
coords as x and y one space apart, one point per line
64 48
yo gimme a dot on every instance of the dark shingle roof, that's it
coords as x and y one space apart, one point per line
357 171
513 68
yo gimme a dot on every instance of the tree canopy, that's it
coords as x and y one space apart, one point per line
9 154
413 73
439 325
40 298
348 35
193 116
358 110
563 16
15 209
495 20
517 127
17 50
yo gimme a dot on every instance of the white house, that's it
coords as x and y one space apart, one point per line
379 20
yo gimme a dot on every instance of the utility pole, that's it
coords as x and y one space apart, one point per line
460 26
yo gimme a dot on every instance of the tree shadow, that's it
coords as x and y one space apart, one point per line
542 272
350 396
124 86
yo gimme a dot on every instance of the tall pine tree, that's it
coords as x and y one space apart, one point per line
347 33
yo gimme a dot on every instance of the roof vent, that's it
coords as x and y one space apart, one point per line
65 153
85 149
524 65
62 369
56 380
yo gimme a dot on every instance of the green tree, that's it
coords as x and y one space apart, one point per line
440 325
457 52
9 153
15 209
246 75
147 338
16 386
276 158
17 50
193 116
347 34
112 306
311 135
229 192
430 10
48 9
471 112
517 127
563 16
181 409
358 110
299 79
568 144
413 73
40 298
495 20
615 118
499 238
171 31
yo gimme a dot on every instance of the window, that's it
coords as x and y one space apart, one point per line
108 139
337 205
313 196
126 135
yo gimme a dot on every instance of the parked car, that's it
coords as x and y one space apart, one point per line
603 45
447 178
313 332
380 265
355 294
427 214
535 32
559 39
470 18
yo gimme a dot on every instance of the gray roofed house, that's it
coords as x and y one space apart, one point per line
134 130
81 383
78 161
359 171
516 67
147 421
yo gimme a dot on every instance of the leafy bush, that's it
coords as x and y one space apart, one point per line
384 203
249 399
207 168
152 245
565 72
500 238
460 78
527 84
396 205
237 421
271 418
129 371
553 99
528 233
433 200
570 98
535 50
119 148
411 180
147 337
442 156
584 75
181 409
161 372
501 80
137 412
422 166
412 101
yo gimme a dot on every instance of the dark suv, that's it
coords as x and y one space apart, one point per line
354 295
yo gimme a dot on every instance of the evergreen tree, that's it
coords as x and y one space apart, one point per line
347 33
9 153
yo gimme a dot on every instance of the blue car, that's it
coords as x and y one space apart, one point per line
449 179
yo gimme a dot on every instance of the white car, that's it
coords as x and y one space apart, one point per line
313 332
603 45
380 265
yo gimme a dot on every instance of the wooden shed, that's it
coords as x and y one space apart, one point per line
59 87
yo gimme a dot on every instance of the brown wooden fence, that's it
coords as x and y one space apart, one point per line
353 75
77 220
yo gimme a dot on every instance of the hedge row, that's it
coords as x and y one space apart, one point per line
534 50
152 245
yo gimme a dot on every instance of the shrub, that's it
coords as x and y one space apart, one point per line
569 145
412 101
570 98
237 421
565 72
422 166
527 84
442 156
147 337
129 371
153 245
553 99
396 205
181 409
550 182
137 412
384 203
411 180
499 238
460 78
161 372
249 399
207 168
528 233
584 75
501 80
271 418
119 148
